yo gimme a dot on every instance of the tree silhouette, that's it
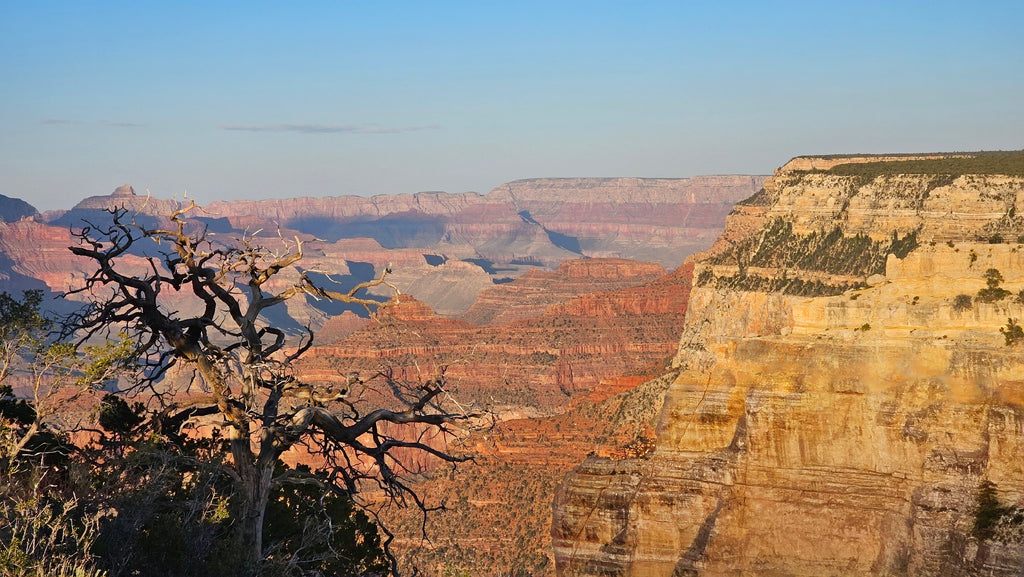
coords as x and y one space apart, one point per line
245 364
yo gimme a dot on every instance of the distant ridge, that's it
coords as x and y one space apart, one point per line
15 209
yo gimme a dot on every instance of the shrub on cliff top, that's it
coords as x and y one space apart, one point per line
1010 163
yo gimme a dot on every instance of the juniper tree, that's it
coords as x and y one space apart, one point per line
245 364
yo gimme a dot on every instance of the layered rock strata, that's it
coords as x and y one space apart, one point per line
445 248
545 357
839 428
537 221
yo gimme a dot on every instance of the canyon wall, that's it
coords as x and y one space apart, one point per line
446 249
850 381
539 221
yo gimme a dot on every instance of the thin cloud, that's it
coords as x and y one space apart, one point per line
326 128
112 123
121 124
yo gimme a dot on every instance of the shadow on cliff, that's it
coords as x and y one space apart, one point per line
392 231
562 241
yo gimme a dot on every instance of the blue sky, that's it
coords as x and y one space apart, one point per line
276 99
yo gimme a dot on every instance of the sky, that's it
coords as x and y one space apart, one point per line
232 100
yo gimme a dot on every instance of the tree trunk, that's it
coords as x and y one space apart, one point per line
256 494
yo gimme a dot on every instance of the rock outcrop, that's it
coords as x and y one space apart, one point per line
843 397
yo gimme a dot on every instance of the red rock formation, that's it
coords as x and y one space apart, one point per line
541 362
529 295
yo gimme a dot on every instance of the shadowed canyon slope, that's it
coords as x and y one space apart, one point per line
850 377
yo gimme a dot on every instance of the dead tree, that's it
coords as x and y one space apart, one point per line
246 363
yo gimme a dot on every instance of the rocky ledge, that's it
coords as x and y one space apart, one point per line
850 398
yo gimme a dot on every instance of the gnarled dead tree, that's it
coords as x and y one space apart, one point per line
246 363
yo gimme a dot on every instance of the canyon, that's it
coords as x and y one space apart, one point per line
816 373
847 389
530 299
445 249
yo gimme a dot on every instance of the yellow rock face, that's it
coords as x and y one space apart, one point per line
836 435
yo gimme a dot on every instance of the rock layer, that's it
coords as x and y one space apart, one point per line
830 434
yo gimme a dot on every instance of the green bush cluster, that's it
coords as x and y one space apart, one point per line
1012 332
992 519
777 246
789 286
144 498
962 302
1010 163
831 252
992 292
142 502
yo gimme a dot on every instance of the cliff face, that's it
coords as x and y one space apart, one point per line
842 397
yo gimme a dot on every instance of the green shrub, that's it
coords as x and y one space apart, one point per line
992 292
988 512
777 246
962 302
1012 332
1010 163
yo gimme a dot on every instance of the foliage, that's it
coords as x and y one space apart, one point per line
988 510
832 252
995 521
962 302
791 286
1012 332
1010 163
54 373
309 529
245 363
992 292
163 504
45 537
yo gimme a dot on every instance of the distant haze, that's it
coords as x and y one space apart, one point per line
259 99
